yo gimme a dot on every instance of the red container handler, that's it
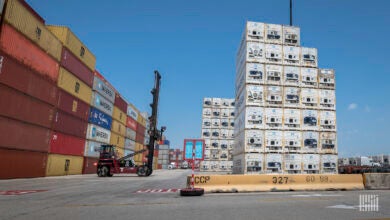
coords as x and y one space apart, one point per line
22 164
120 103
90 165
17 105
19 47
66 144
20 77
15 134
72 105
69 124
75 66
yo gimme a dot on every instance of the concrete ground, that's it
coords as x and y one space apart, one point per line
156 197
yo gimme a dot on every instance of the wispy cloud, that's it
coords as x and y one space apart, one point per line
367 108
352 106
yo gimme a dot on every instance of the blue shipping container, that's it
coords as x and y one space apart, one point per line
99 118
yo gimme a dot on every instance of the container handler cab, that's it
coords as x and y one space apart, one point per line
109 163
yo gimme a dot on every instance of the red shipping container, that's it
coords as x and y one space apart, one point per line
69 124
18 135
19 47
22 164
89 166
120 103
17 105
139 138
18 76
140 129
155 153
131 123
75 66
66 144
72 105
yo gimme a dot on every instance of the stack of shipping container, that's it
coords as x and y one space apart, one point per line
286 112
163 154
218 133
56 109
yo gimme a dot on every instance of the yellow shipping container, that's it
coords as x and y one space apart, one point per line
117 140
74 86
59 165
118 128
29 25
71 42
120 152
119 115
141 120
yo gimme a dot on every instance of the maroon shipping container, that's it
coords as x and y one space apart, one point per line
18 76
75 66
22 164
15 134
17 105
66 144
69 124
120 103
140 138
72 105
16 45
89 167
140 129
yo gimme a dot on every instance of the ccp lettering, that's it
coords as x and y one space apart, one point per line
201 179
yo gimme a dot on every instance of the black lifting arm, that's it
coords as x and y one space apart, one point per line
154 133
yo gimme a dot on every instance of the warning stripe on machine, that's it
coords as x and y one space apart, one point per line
157 191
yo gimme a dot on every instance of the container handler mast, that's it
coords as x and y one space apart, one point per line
109 163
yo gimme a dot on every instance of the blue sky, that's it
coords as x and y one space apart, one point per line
193 44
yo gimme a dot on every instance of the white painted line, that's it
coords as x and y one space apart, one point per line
342 207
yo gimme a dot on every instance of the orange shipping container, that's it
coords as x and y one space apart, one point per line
26 22
19 47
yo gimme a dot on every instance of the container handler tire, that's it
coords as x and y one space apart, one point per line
142 171
105 171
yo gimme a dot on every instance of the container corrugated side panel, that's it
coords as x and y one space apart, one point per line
99 118
22 164
130 133
104 89
120 103
69 124
70 62
60 165
119 115
141 120
74 86
66 144
131 123
102 103
19 47
89 167
65 35
92 148
18 76
120 152
118 128
15 134
97 133
72 105
25 22
17 105
141 129
117 140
